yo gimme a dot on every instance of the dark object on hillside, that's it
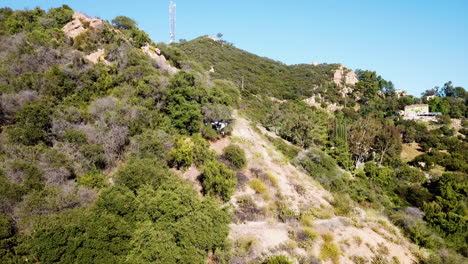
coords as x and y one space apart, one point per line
219 124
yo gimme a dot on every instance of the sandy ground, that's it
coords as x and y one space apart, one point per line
266 235
372 238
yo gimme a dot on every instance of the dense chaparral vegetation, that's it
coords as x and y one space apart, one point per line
88 151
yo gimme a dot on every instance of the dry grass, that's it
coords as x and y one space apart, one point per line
273 180
437 170
320 213
310 232
258 186
410 151
329 250
358 240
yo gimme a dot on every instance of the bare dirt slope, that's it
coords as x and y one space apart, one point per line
292 212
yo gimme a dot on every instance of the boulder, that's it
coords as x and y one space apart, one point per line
80 24
160 60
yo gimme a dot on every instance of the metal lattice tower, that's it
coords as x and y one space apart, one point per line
172 21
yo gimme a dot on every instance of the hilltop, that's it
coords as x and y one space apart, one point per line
117 149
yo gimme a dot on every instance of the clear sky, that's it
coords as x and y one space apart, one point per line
417 44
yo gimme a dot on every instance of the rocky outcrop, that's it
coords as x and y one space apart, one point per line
80 24
98 57
345 79
312 101
161 62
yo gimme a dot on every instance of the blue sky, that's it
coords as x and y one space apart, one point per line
417 44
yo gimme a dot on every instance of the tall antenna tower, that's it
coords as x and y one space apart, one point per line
172 21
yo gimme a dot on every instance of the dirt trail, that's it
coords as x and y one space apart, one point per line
357 235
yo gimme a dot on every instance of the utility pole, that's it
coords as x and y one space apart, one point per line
172 21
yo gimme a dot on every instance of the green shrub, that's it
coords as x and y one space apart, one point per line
329 250
31 175
94 154
219 180
6 228
92 179
235 155
278 259
181 155
258 186
138 172
289 151
284 212
75 137
310 232
61 15
201 150
322 168
152 143
209 133
342 204
123 22
32 123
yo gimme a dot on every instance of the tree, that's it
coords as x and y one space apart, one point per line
219 35
151 245
123 22
299 124
183 103
362 134
388 143
368 84
438 104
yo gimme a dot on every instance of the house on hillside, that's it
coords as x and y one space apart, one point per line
419 112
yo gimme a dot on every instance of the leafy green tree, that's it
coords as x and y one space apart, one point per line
299 124
182 103
438 104
362 135
186 117
446 212
123 22
368 85
139 37
387 143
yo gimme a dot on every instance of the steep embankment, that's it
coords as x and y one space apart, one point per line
280 210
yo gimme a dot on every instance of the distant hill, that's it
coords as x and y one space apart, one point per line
261 75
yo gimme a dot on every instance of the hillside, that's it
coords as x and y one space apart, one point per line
260 75
294 215
117 149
